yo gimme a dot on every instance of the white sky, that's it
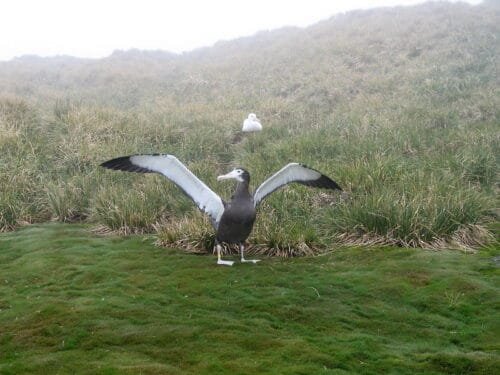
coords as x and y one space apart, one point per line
94 28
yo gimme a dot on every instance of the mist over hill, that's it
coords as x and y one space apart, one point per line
377 53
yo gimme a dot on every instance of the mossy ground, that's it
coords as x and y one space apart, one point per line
72 302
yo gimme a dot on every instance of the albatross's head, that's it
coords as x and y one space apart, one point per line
238 174
253 117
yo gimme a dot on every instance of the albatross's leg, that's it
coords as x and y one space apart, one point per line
243 260
219 260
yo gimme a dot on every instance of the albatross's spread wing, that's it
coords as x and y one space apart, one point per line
169 166
293 172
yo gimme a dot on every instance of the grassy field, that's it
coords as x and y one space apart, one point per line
71 302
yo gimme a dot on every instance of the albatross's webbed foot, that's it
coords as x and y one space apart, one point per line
225 262
219 260
243 260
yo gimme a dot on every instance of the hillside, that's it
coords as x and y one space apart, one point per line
399 105
393 51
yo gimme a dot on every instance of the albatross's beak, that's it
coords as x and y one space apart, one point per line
231 175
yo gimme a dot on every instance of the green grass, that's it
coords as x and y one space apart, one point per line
71 302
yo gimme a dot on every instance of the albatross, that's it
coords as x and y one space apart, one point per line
232 220
252 124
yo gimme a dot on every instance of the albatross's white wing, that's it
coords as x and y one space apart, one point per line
169 166
251 126
293 172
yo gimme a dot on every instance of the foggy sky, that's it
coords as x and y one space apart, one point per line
95 28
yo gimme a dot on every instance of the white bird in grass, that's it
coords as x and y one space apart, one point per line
233 221
252 124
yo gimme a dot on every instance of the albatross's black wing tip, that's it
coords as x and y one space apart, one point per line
124 163
326 182
323 181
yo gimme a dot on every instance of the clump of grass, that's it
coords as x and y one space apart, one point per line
20 193
479 165
16 115
134 203
127 210
192 233
467 238
278 234
21 202
11 210
69 200
427 216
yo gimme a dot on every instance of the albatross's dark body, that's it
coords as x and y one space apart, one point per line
236 222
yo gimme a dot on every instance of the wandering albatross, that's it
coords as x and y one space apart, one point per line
233 220
252 124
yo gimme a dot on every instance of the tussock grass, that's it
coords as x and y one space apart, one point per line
399 106
193 234
134 208
69 200
411 215
466 238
